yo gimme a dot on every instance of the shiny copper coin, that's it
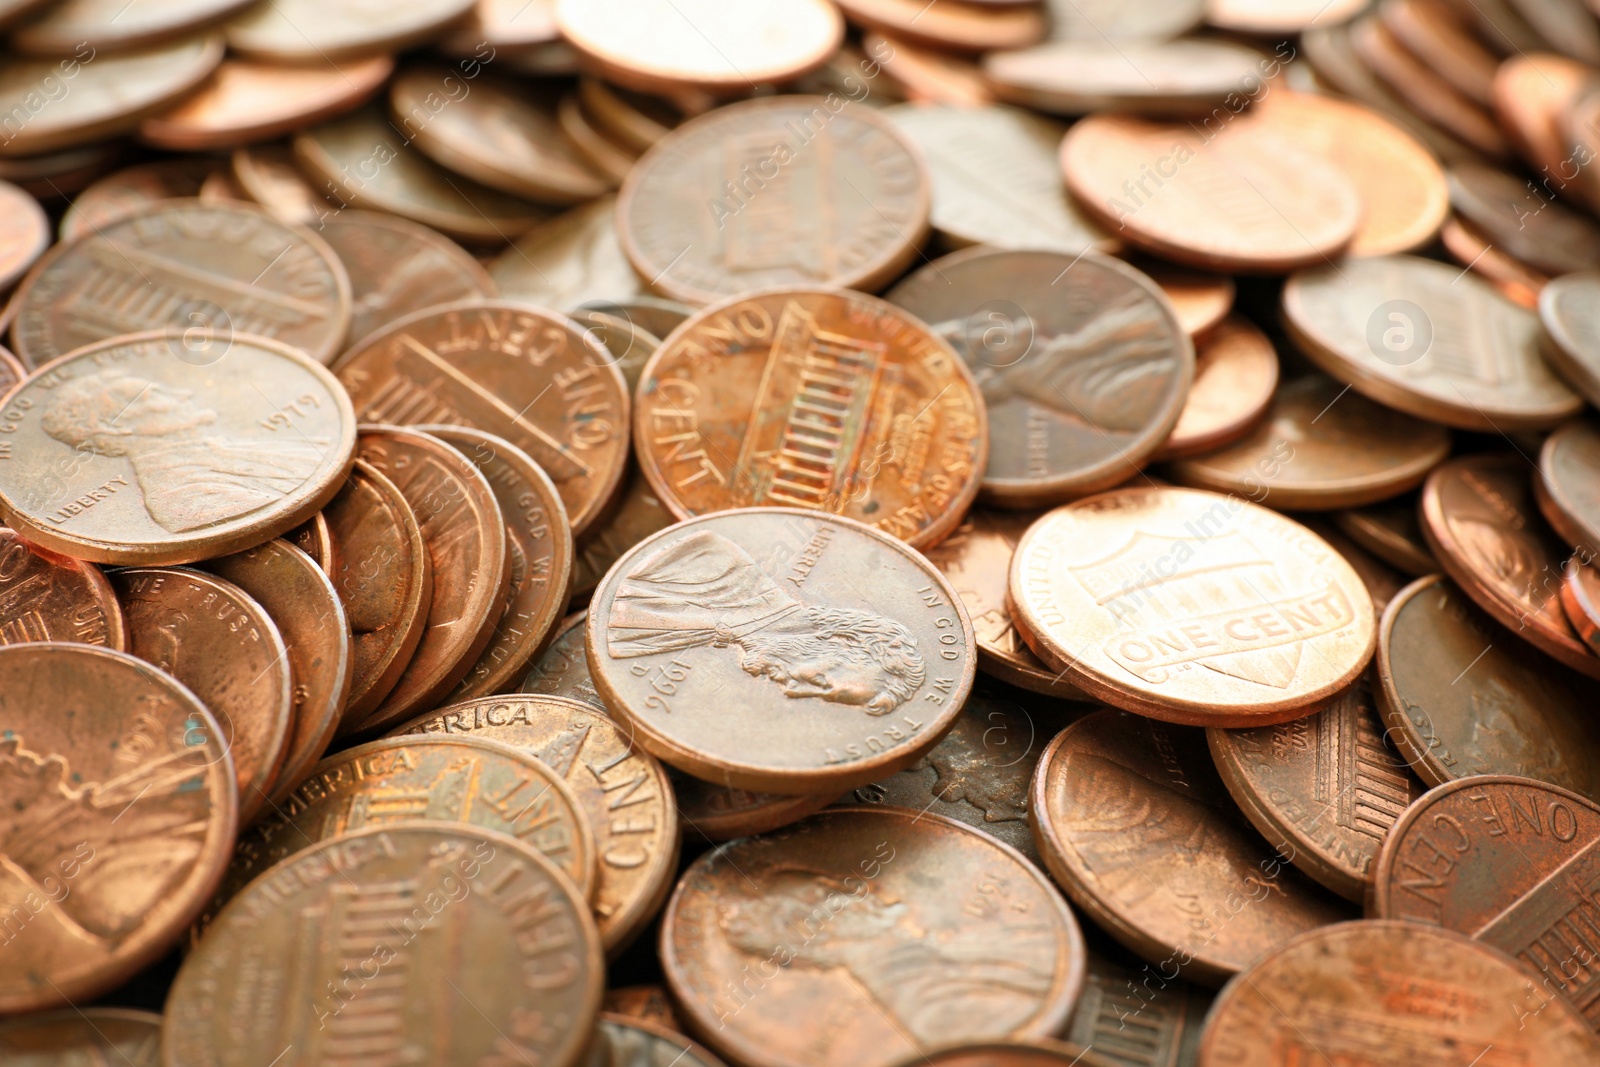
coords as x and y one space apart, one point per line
302 602
540 544
1082 362
1388 994
622 791
120 811
1275 18
181 265
531 376
1190 606
306 31
640 514
464 529
841 200
74 27
1479 518
1471 248
1427 339
166 448
955 25
314 540
1392 532
269 176
644 1003
1580 599
74 1035
1527 223
1461 700
1202 300
1568 485
130 190
223 646
822 399
1079 77
1137 1017
1569 310
1530 95
1436 35
1430 95
573 258
635 121
1244 199
976 561
24 233
1235 379
641 1043
247 101
472 927
605 158
953 936
50 597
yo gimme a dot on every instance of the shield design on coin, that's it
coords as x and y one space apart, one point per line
1216 601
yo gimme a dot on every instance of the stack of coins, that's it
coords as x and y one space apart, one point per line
640 533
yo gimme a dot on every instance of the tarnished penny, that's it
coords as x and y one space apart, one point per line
182 265
573 258
787 674
1462 700
70 27
832 196
302 602
474 928
1568 484
223 646
129 452
954 937
49 597
823 399
82 1036
540 545
131 189
24 233
1569 311
465 532
976 561
1392 532
958 25
1235 379
1479 517
305 31
640 514
120 811
1190 606
1078 77
1580 598
1424 338
1527 224
1138 1017
1389 994
1082 362
531 376
642 1043
623 792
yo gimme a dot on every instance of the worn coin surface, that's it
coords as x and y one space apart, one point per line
305 31
574 258
1082 362
1392 532
1580 598
822 399
1133 822
1133 1016
131 189
120 811
1235 379
1540 232
1078 77
622 791
819 194
1569 310
780 649
45 596
1566 488
75 1036
954 936
1191 606
1462 700
1421 337
460 916
24 233
162 448
640 514
642 1043
531 376
1387 994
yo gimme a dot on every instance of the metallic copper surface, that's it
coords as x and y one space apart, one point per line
573 258
1235 377
273 31
1168 78
1580 599
639 514
130 190
1567 486
49 597
1528 224
1392 532
1134 1016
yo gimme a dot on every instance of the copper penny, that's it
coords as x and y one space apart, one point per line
52 104
956 25
947 934
247 100
832 196
1580 598
1079 77
134 451
1530 94
49 597
633 120
300 599
622 791
1276 18
220 186
540 545
1137 1017
929 76
573 258
1389 994
1569 310
130 190
338 29
1424 91
465 531
88 1036
315 540
1568 26
642 1043
1202 300
62 173
1472 249
531 376
1461 700
1235 380
640 514
120 812
11 371
1566 487
642 1003
1325 789
1424 338
629 344
1120 20
398 267
651 314
472 928
511 24
181 265
1039 1053
1479 517
1527 223
73 26
1190 606
823 399
1433 33
976 561
1392 532
269 176
24 233
1382 581
607 159
1244 199
1082 362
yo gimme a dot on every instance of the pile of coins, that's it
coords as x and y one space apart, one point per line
794 533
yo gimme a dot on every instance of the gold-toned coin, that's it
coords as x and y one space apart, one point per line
1190 606
1392 532
570 260
24 233
305 31
269 176
76 27
130 190
135 451
1567 488
87 1036
1235 379
50 597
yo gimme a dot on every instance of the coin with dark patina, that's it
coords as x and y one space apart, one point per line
1569 311
814 398
1392 532
636 1042
1567 487
82 1036
49 597
1135 1016
1235 378
646 1003
639 514
1081 360
954 936
421 936
781 650
120 810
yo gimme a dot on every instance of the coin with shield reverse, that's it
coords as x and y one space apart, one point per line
45 596
156 448
77 1035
